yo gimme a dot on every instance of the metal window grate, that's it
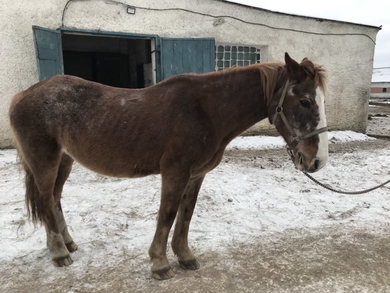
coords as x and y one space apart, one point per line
233 55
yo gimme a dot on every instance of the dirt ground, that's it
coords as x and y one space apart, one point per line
337 258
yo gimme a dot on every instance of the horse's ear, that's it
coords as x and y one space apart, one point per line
294 71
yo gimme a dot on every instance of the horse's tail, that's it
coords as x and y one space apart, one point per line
32 196
32 193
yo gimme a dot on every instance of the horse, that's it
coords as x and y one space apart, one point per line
178 128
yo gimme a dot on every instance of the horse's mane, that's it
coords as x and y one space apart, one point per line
271 72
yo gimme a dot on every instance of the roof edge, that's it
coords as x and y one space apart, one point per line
302 16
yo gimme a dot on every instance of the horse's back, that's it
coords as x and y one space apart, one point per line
107 129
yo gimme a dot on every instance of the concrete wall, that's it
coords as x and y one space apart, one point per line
346 50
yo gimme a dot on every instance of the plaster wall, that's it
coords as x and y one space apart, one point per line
346 50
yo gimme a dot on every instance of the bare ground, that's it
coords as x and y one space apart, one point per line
337 258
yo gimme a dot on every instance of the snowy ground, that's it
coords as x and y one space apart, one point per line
259 226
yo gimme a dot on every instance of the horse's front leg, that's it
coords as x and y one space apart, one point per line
180 247
173 186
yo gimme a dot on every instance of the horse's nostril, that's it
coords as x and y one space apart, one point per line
300 157
317 164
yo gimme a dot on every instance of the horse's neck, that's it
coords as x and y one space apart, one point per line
238 104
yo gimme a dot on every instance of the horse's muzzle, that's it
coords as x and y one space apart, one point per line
302 164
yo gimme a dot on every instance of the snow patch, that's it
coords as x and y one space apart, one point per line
272 142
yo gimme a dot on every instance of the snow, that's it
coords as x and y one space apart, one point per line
381 74
109 217
272 142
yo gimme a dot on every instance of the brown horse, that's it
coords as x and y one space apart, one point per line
178 128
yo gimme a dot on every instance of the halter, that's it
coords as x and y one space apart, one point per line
279 112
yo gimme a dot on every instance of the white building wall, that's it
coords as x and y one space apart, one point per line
380 96
380 86
346 50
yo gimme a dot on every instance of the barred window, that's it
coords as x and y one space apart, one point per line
235 55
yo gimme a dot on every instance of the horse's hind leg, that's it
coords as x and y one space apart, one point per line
42 166
62 175
179 243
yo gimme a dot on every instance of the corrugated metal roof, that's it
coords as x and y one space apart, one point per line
381 74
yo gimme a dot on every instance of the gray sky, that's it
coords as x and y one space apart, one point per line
374 12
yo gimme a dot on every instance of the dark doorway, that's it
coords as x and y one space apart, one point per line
120 59
114 61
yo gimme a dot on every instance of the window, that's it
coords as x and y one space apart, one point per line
384 90
235 55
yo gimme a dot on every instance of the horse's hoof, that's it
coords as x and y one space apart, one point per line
63 261
163 274
71 246
192 264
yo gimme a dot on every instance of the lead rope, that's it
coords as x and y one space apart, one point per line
337 190
346 192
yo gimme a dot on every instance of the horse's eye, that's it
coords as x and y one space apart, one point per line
305 103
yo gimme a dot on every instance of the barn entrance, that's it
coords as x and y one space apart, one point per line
114 61
120 59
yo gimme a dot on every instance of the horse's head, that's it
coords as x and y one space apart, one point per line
298 112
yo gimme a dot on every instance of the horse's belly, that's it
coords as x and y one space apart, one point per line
116 166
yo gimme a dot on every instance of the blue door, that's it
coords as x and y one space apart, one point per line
48 51
177 55
186 55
